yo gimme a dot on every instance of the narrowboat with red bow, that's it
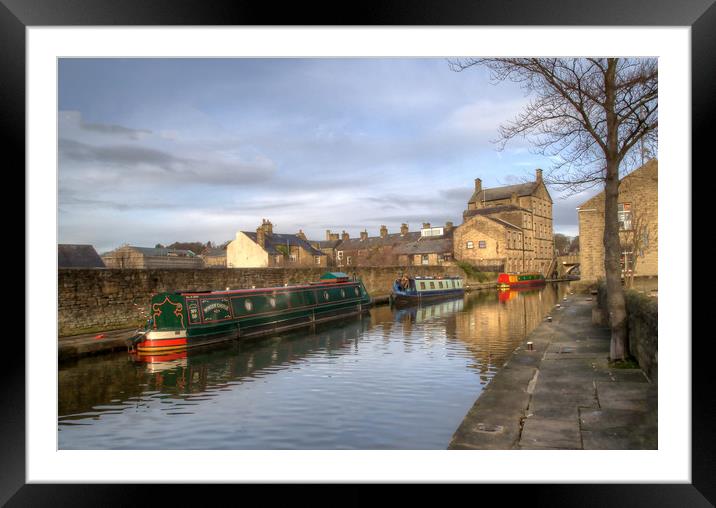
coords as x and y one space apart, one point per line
518 280
182 319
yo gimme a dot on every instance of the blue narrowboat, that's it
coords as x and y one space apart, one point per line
411 290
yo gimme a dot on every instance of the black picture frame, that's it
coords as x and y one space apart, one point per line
16 15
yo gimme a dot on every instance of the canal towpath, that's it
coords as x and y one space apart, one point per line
558 391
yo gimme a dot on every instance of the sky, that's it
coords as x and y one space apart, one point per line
163 150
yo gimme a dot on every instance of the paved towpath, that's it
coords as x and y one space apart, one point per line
76 346
563 394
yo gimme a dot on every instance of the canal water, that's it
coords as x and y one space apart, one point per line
392 379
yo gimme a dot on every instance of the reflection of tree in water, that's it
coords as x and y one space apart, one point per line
119 379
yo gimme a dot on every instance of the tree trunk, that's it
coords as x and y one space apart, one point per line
616 306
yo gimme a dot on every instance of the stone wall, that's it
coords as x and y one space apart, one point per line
642 325
105 299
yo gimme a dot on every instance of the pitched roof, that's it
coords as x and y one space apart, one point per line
78 256
493 209
643 171
379 241
427 245
521 189
153 251
274 240
325 244
214 252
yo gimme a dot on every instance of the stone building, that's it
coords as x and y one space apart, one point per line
638 224
373 250
129 256
214 258
509 226
264 248
433 247
330 245
78 256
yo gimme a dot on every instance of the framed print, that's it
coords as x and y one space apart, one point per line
54 44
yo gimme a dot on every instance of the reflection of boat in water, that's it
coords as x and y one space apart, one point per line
189 318
505 295
411 290
424 312
517 280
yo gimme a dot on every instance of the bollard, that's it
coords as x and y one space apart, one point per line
530 347
564 299
549 319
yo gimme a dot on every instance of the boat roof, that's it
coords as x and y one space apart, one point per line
261 290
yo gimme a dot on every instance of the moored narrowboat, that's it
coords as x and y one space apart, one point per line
411 290
516 280
183 319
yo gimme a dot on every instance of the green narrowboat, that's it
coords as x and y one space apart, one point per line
183 319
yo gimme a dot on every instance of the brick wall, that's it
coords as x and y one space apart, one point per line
104 299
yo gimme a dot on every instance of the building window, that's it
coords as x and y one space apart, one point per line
425 260
469 245
348 260
447 257
624 214
339 255
482 244
318 259
626 262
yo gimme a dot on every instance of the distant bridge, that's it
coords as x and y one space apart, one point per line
568 265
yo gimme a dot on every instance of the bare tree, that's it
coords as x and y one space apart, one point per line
588 115
633 242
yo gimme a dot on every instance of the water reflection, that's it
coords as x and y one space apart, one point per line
397 378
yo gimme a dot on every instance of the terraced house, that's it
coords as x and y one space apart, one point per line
508 227
264 248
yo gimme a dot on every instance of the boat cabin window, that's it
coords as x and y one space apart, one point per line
357 291
422 285
432 285
248 304
440 284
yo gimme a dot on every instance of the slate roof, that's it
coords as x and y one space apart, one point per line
151 251
78 256
494 209
325 244
521 189
427 245
390 240
214 252
276 239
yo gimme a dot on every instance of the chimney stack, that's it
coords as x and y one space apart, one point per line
345 236
301 234
383 231
478 184
538 173
363 235
328 234
403 229
261 236
267 226
426 225
448 226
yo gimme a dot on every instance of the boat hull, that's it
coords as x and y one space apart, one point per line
507 280
408 299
